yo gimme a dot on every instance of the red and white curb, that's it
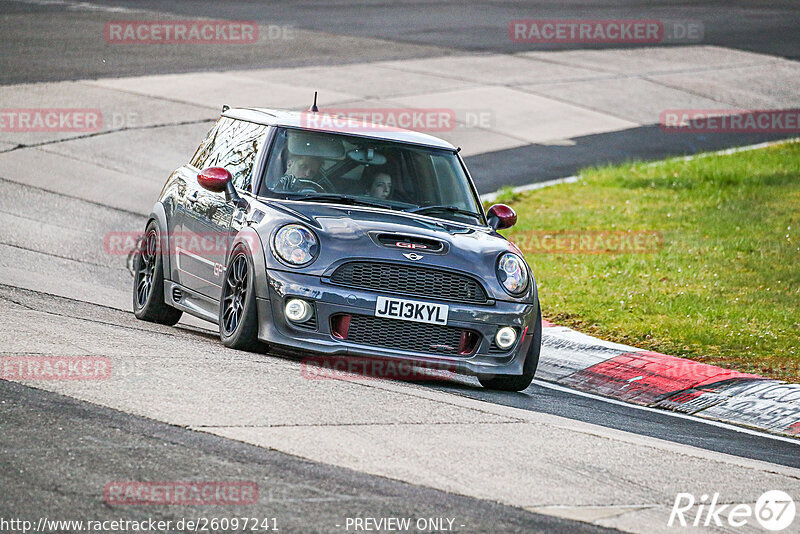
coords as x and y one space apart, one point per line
638 376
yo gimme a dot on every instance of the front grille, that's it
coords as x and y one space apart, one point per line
409 280
494 349
310 323
410 336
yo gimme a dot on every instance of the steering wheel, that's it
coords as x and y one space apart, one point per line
325 183
308 186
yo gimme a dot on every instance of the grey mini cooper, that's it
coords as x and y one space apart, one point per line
313 234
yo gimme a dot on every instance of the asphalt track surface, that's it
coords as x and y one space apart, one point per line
55 452
63 453
65 49
756 26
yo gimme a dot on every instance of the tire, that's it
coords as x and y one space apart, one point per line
519 382
238 315
148 281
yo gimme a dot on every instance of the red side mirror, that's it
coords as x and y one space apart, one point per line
214 179
501 217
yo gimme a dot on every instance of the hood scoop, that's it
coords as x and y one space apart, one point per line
407 242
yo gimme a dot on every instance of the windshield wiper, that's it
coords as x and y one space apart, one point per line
343 199
449 209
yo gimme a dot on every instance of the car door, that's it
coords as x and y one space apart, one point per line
206 221
186 193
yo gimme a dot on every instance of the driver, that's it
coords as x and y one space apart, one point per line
301 173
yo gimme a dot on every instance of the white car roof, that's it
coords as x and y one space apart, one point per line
321 121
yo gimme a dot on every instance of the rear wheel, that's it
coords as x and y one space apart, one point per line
238 316
519 382
148 281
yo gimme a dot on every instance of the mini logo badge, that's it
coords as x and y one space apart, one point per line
413 256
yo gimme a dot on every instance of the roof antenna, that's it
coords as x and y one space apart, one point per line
314 108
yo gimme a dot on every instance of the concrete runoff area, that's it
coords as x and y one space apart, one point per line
408 432
559 112
94 447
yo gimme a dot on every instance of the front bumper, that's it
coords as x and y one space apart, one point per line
330 300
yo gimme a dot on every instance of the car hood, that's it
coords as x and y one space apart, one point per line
348 233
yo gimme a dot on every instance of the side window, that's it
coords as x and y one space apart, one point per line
232 144
206 147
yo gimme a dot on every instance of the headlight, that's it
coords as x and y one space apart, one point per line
295 244
512 273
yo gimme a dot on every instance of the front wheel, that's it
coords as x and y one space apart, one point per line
238 316
519 382
148 281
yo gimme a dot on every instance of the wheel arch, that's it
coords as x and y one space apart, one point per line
249 239
159 215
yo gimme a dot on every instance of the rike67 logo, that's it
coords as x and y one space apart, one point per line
774 511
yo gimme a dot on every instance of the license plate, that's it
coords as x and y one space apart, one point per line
411 310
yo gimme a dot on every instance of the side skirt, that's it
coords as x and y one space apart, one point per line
191 302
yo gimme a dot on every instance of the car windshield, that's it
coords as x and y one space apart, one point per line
354 170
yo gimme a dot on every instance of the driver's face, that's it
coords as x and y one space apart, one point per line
304 167
381 186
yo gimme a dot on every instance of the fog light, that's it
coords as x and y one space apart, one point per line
298 311
505 337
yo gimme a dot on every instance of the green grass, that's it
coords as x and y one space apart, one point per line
723 289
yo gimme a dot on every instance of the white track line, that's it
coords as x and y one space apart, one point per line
743 430
726 152
491 197
81 6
